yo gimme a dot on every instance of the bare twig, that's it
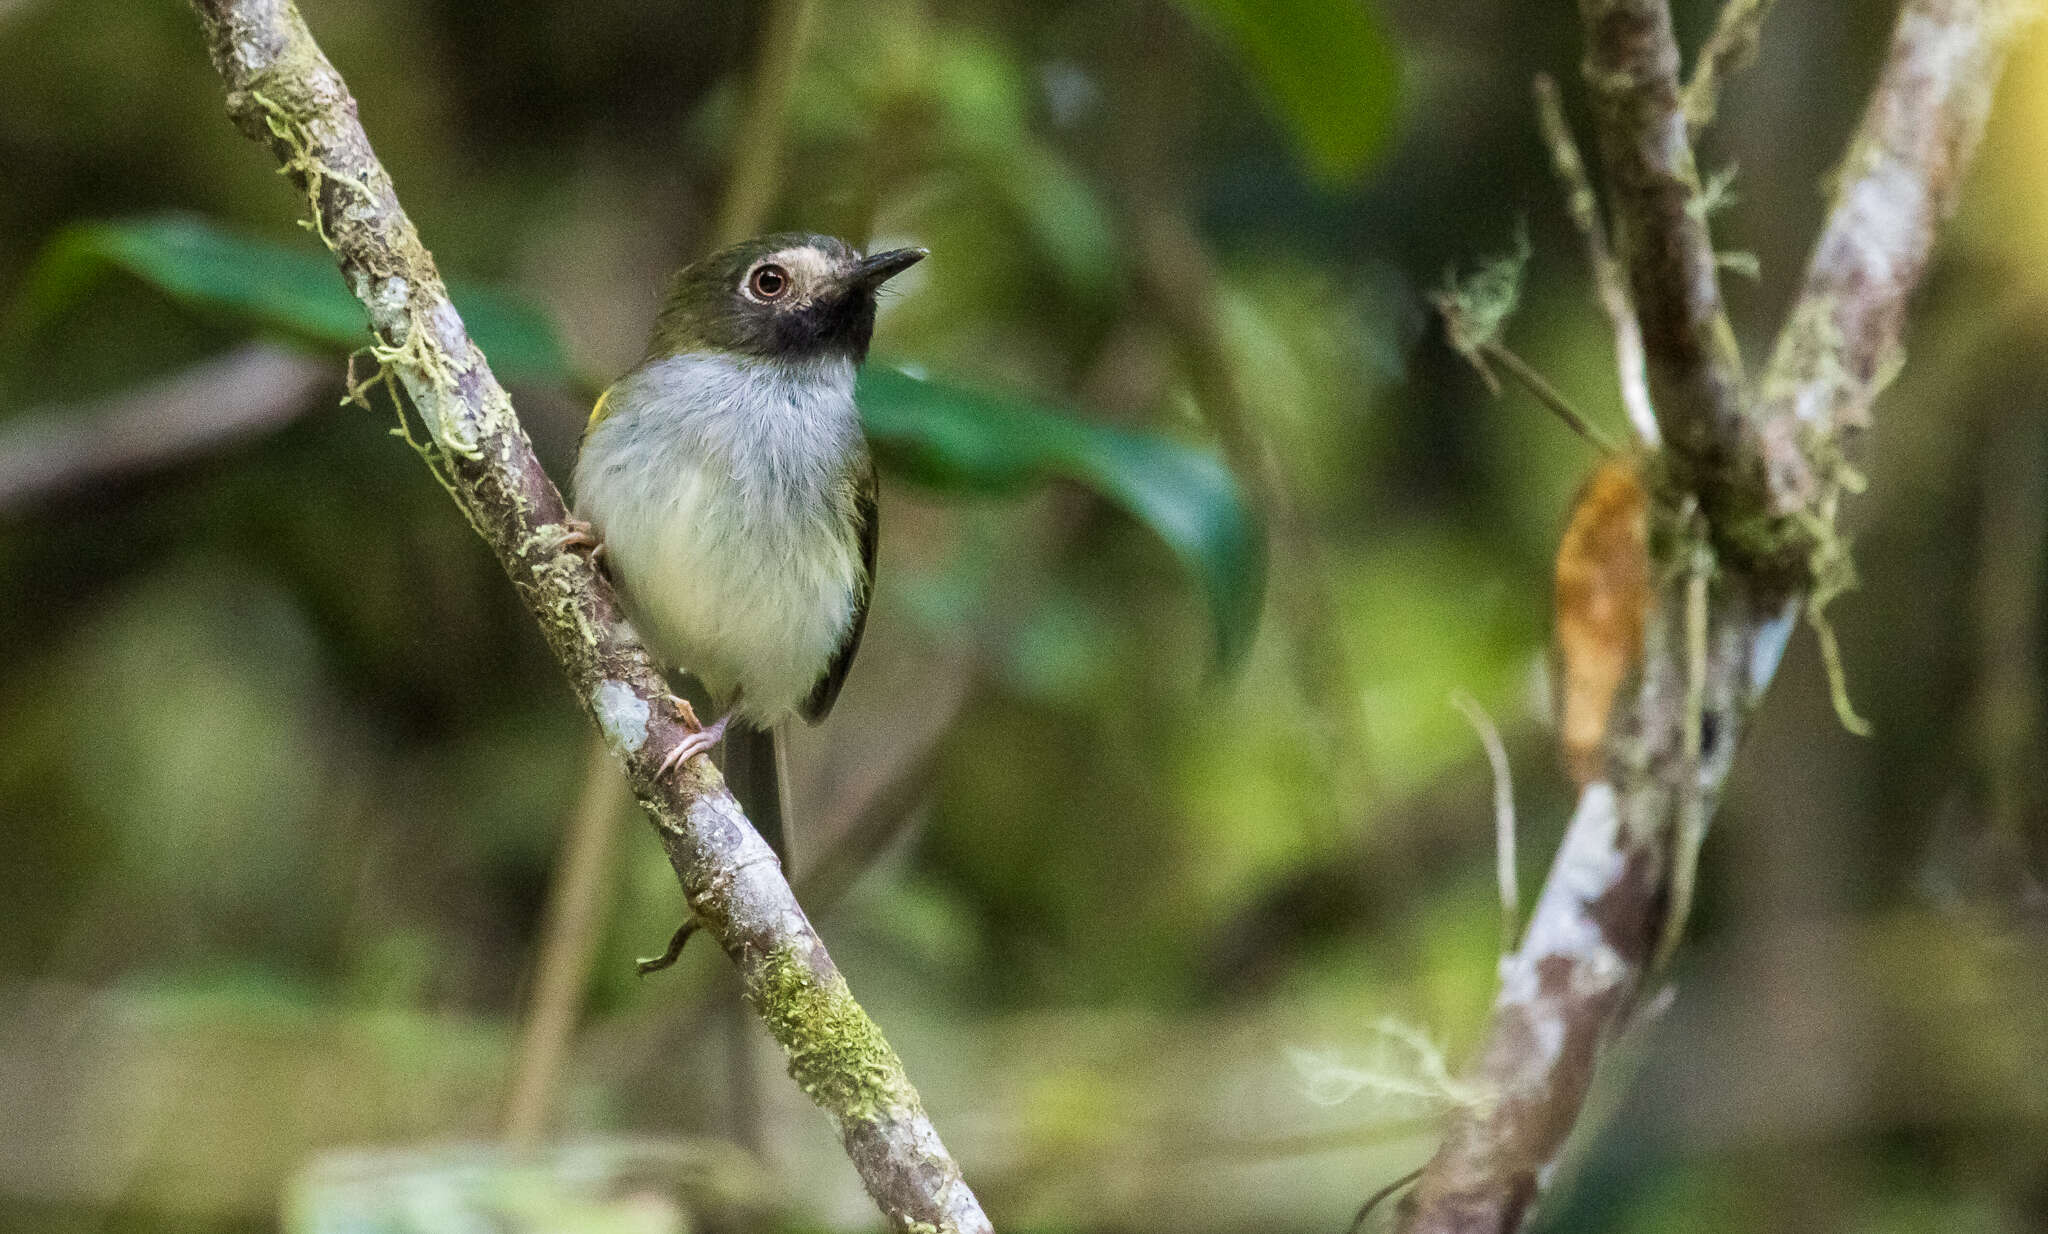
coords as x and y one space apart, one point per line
1728 50
1692 808
1610 281
1714 640
1476 310
569 933
1503 816
1695 371
282 91
756 171
1377 1198
1548 395
217 402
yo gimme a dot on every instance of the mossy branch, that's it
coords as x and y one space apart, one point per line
282 91
1661 236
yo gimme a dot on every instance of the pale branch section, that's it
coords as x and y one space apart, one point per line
1899 180
282 91
1718 626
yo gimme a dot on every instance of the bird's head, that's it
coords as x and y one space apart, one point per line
788 296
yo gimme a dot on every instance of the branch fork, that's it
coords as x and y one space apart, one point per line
1748 482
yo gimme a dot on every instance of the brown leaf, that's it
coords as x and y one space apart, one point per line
1602 595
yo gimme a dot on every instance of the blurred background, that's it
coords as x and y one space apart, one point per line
1146 828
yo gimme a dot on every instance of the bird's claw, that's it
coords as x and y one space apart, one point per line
578 533
692 744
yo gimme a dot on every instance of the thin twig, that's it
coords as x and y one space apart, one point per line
1610 282
1503 818
1380 1197
200 410
1692 806
755 174
1729 49
1548 395
730 878
569 932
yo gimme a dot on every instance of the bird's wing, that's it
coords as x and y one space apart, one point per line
867 522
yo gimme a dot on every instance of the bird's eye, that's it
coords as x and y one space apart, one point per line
770 281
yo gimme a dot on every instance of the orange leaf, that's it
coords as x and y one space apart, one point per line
1602 597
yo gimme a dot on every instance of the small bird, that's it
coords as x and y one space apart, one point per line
727 484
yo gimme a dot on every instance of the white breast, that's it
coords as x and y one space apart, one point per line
720 487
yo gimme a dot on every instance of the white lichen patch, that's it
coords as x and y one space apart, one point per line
1587 867
385 298
622 715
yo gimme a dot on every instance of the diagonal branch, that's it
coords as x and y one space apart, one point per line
282 91
1715 635
1661 236
1900 179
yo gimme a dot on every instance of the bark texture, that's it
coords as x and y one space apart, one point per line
282 91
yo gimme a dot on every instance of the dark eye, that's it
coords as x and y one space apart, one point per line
770 281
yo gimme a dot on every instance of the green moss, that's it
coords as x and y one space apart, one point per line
836 1054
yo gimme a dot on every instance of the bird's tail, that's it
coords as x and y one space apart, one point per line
757 770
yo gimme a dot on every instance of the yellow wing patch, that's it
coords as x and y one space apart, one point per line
597 411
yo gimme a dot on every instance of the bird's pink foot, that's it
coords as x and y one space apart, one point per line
693 744
578 533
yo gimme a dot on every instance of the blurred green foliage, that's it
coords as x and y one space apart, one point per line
283 766
1327 68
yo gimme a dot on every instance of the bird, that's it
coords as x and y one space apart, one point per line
726 487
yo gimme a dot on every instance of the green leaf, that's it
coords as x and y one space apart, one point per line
296 291
935 432
1326 66
945 435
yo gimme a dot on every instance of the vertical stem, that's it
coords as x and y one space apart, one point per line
569 933
755 174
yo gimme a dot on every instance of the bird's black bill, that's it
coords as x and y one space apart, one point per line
874 271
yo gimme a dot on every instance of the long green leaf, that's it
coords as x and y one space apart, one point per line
942 434
295 290
935 432
1326 66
